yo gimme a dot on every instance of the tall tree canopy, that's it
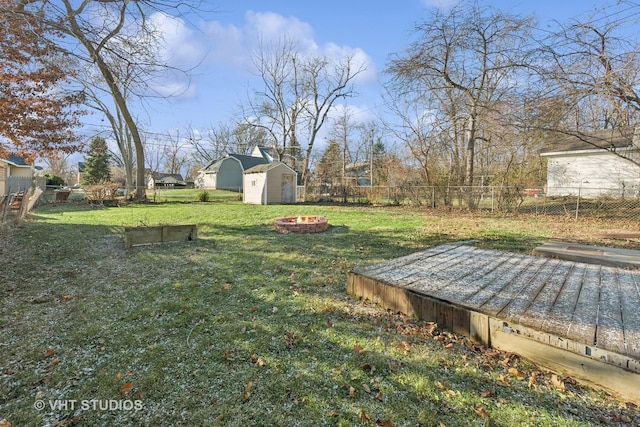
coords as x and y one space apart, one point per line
38 113
462 69
105 36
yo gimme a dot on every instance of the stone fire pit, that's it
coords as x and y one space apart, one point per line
301 224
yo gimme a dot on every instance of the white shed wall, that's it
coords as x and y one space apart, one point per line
254 188
589 173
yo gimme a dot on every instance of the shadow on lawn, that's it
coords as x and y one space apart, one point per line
200 317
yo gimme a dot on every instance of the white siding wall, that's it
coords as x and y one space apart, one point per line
207 180
589 173
254 187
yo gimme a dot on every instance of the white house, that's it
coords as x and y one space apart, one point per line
593 164
270 183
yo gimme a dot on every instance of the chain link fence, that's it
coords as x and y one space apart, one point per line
604 203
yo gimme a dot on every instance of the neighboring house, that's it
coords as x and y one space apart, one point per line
593 165
226 173
166 180
15 174
270 183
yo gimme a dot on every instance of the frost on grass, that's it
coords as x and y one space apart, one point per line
247 328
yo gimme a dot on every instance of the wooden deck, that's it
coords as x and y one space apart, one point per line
580 319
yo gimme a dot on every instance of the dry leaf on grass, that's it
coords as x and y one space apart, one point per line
49 352
481 411
557 382
358 348
514 372
488 393
126 388
364 417
247 391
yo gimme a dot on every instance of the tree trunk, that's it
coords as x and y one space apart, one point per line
470 156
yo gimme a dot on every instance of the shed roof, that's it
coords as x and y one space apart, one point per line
605 139
246 162
266 167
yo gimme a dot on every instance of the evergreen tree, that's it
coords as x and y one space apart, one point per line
329 168
97 166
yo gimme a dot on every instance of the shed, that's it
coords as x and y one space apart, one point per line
593 164
226 173
270 183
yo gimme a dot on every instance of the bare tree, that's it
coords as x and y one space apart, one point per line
224 139
175 155
277 107
467 56
101 34
299 92
592 68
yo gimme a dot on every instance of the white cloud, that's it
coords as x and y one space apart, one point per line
182 50
233 46
217 45
181 46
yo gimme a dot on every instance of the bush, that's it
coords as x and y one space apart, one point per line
202 196
54 180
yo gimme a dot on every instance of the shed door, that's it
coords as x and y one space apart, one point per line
288 188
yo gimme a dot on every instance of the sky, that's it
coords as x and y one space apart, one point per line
218 44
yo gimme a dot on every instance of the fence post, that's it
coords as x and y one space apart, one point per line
492 197
578 201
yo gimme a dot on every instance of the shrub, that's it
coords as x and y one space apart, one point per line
54 179
202 196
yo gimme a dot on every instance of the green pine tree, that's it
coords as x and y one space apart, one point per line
329 168
97 168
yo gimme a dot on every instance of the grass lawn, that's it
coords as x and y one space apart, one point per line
244 326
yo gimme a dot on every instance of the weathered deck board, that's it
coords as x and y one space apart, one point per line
583 323
631 311
581 318
609 329
562 310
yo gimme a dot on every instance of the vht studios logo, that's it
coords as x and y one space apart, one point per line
89 405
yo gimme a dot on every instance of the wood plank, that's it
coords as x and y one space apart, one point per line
495 282
519 304
514 286
630 296
582 327
398 263
589 370
600 255
540 308
609 332
561 313
462 281
420 270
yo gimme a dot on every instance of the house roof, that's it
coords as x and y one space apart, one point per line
265 167
16 161
605 139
